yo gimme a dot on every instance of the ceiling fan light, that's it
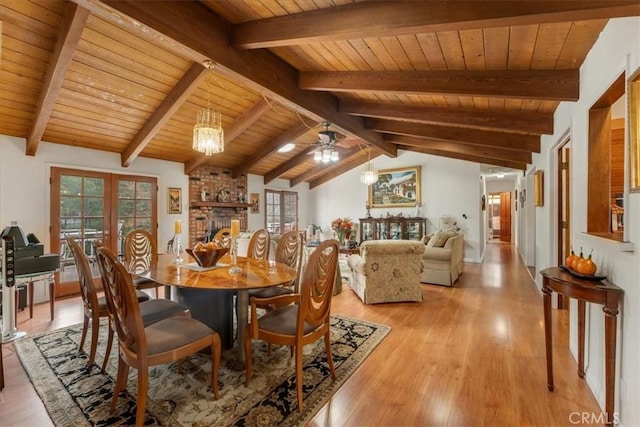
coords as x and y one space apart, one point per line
317 155
326 155
335 156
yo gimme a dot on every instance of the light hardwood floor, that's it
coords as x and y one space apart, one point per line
465 356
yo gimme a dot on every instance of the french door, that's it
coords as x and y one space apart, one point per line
89 206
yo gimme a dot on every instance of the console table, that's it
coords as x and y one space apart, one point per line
602 292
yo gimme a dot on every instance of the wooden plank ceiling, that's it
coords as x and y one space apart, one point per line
471 80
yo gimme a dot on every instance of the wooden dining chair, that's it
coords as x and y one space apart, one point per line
300 318
259 245
289 252
94 306
223 237
139 249
168 340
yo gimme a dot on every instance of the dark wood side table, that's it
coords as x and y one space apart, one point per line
555 279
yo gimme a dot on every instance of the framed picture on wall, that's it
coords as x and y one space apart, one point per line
396 188
174 200
255 203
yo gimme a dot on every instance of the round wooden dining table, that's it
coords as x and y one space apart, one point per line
208 292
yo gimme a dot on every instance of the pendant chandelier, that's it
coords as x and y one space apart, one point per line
369 173
208 135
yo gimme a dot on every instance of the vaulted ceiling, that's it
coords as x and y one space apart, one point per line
471 80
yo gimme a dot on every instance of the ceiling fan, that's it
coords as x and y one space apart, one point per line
325 150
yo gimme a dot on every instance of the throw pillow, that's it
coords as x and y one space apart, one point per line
425 239
433 239
440 239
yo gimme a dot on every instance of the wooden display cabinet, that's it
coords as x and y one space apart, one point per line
392 228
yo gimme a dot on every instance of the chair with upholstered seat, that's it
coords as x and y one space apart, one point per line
289 252
300 318
95 306
259 245
223 237
168 340
139 249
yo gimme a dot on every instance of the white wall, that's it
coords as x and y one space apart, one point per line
616 50
445 187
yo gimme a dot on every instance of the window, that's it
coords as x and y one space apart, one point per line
281 213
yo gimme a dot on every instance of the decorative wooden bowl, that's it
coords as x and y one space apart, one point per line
207 257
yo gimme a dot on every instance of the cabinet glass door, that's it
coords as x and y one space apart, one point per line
413 230
366 231
382 230
395 230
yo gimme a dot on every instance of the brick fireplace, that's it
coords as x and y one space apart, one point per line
215 198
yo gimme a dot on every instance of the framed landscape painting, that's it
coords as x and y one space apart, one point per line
396 188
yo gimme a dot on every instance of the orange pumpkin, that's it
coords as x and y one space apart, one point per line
576 260
571 259
586 267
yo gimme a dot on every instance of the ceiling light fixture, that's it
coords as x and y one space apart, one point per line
369 173
287 147
326 151
208 135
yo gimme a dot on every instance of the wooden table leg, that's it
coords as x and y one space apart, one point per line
610 332
581 334
30 300
548 338
52 297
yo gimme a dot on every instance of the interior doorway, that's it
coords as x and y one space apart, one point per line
499 216
564 211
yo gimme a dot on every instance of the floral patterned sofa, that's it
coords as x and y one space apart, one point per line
387 271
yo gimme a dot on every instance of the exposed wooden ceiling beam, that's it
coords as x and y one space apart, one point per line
471 150
74 21
556 85
349 164
322 167
286 166
512 121
393 18
239 125
272 146
193 30
163 113
468 157
489 138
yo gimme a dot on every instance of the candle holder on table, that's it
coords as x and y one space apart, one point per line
177 249
235 269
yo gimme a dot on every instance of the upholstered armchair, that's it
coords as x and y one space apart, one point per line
443 259
387 271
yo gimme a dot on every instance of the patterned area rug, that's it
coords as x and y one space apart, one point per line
75 394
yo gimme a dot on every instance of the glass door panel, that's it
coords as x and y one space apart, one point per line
79 210
136 201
